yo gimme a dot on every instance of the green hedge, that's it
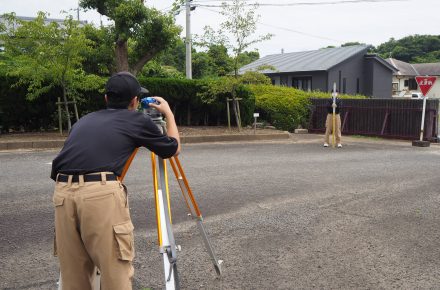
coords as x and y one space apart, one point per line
194 102
284 107
18 113
190 108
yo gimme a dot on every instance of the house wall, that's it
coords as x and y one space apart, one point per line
382 77
275 80
319 79
368 78
351 70
378 79
434 93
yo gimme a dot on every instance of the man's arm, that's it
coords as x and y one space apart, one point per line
165 109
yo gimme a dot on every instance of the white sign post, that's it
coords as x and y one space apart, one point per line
256 115
425 84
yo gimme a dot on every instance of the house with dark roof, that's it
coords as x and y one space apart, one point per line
404 82
352 68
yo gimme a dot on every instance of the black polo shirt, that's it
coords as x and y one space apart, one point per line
104 140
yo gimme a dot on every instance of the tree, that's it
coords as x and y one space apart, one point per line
42 56
247 57
202 65
140 33
352 43
221 61
236 33
412 49
99 59
237 30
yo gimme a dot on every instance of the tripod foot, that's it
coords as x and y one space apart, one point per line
217 268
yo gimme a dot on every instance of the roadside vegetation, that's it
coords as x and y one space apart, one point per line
44 64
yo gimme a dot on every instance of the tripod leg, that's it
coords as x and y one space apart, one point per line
194 209
163 216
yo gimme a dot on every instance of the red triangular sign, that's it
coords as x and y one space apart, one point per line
425 83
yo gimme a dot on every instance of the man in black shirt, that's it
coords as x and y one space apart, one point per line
92 219
329 120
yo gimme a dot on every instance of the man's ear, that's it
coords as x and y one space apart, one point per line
133 104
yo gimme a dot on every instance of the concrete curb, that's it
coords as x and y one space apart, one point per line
56 144
47 144
229 138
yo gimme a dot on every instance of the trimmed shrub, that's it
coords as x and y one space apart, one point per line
284 107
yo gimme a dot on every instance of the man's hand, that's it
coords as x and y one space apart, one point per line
163 106
165 109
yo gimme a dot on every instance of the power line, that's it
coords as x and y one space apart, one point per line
286 29
197 3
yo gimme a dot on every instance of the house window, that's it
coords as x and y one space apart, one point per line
395 88
412 84
303 83
344 85
358 86
340 78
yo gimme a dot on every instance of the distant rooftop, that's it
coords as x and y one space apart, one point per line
429 69
315 60
408 69
47 20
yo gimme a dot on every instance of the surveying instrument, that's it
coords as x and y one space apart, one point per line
167 245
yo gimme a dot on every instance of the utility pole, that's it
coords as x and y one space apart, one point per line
77 12
188 40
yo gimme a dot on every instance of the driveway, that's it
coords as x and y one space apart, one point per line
282 215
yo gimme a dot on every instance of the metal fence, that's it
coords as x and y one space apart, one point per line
388 118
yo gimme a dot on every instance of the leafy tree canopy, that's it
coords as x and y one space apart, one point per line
412 49
42 55
140 33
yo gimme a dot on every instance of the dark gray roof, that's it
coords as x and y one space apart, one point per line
315 60
382 61
429 69
404 68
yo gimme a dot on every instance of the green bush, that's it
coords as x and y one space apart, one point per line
284 107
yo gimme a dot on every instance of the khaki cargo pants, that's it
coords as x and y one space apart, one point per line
329 128
93 229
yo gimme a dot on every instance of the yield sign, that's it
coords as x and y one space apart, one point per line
425 83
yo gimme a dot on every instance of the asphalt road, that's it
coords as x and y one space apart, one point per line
282 215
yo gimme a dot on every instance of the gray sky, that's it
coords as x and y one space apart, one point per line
296 27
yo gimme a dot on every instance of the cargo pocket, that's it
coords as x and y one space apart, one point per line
58 200
124 241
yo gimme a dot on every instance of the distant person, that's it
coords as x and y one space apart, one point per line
329 121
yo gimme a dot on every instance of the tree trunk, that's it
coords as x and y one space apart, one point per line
66 106
121 51
142 61
234 107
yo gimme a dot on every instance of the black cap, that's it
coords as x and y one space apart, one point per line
124 85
